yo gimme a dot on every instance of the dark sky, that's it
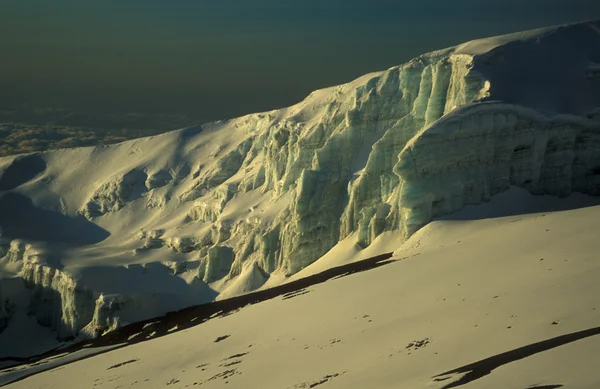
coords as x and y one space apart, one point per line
214 59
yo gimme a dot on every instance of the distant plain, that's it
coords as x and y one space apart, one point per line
80 73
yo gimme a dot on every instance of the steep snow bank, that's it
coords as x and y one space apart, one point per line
466 299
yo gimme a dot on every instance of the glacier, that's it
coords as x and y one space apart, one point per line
233 206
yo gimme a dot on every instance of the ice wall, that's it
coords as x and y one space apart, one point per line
494 146
67 305
51 296
273 192
57 300
338 167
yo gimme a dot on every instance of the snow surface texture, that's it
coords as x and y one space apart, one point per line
467 303
107 235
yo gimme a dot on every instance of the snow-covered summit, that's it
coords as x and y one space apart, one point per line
116 233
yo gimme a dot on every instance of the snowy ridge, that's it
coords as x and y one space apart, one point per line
159 223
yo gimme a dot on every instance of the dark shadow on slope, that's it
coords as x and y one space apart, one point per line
186 133
546 387
152 278
21 219
21 170
192 316
484 367
518 201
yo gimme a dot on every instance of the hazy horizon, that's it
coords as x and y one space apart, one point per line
213 60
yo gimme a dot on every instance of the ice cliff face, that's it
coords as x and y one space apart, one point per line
336 166
507 145
57 300
54 298
238 200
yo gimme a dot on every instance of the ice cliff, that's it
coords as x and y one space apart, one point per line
270 193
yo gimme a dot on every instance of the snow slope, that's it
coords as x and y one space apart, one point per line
94 238
508 302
